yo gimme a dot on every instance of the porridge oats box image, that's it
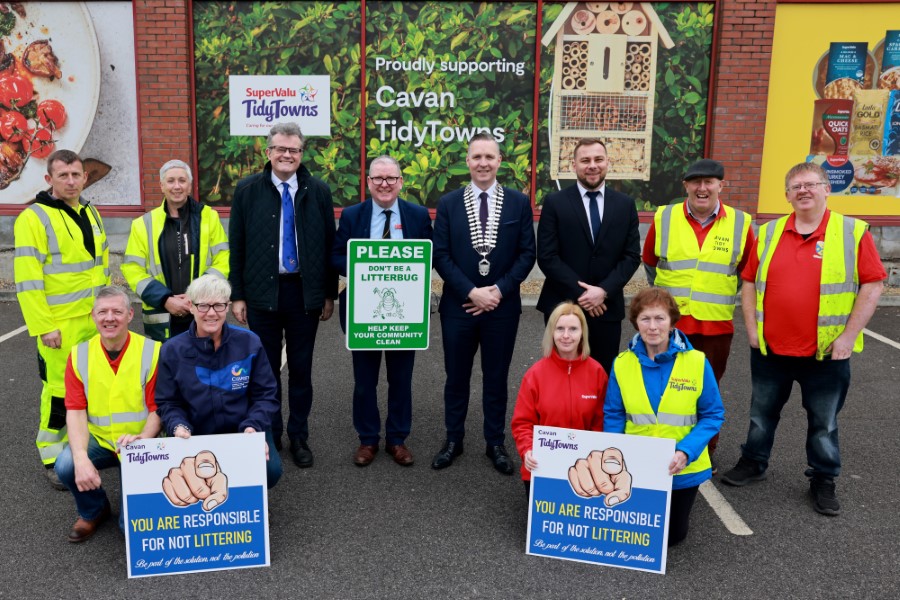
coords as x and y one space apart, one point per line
831 127
891 145
867 122
846 69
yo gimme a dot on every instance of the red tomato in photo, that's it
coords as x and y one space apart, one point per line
52 114
42 145
15 91
13 126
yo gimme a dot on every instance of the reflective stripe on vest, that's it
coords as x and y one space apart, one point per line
677 413
838 283
115 401
702 280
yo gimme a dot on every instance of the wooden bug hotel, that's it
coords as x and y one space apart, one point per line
604 82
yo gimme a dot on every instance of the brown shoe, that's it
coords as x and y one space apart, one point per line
402 455
84 529
364 455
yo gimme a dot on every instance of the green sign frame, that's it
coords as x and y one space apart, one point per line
388 294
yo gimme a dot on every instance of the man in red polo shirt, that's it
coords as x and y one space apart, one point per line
810 287
695 250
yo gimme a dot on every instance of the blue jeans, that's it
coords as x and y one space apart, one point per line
92 502
823 388
273 465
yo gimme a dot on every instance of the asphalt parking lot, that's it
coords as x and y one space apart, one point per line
339 531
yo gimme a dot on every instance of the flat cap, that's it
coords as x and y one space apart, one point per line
705 167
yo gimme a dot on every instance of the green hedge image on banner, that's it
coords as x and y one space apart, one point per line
422 110
276 38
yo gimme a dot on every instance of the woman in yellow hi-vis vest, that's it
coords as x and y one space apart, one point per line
662 387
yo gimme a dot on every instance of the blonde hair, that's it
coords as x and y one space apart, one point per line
561 310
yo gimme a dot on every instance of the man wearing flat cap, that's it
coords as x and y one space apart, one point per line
695 250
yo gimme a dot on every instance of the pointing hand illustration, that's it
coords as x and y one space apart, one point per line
197 479
603 472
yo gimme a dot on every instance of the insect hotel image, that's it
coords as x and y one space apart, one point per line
604 82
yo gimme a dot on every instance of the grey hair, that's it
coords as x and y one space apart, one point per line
385 158
209 287
112 291
175 164
289 129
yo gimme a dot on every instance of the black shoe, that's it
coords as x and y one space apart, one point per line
744 472
500 458
444 458
825 501
303 456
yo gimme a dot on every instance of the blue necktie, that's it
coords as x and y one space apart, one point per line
288 233
594 211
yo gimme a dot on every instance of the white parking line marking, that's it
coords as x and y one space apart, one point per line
13 333
733 522
881 338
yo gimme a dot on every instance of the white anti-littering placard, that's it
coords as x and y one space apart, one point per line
600 498
194 505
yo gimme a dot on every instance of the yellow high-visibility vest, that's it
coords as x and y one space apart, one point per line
677 413
838 285
703 281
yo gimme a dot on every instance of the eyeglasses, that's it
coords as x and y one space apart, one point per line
286 150
805 186
218 307
387 180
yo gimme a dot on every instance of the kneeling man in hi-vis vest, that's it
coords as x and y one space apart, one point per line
810 287
110 386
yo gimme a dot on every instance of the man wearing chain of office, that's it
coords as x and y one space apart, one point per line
483 249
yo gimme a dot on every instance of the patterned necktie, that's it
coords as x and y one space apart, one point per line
288 233
386 233
594 211
483 211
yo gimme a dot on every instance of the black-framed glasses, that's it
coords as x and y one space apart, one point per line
382 180
218 307
286 150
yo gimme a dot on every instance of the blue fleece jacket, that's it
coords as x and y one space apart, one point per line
215 391
656 373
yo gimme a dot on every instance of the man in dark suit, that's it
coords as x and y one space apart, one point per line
280 234
385 216
588 249
483 250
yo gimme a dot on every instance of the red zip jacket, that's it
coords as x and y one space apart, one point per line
558 393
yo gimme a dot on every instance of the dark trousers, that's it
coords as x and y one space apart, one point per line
682 501
496 336
603 338
298 329
716 348
366 418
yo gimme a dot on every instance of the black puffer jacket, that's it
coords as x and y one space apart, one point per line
253 234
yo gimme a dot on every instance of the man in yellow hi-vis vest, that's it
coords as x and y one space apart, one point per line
696 250
110 402
61 261
811 285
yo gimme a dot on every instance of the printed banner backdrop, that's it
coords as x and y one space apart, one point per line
226 528
388 294
86 103
811 111
275 39
630 533
438 72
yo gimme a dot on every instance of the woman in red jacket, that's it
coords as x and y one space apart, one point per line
566 388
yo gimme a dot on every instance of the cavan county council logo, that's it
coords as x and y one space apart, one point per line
571 435
237 370
307 93
389 306
161 446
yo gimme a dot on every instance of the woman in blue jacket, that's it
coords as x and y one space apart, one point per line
662 387
215 378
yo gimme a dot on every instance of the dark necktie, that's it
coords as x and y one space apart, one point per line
483 211
594 211
386 233
288 233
